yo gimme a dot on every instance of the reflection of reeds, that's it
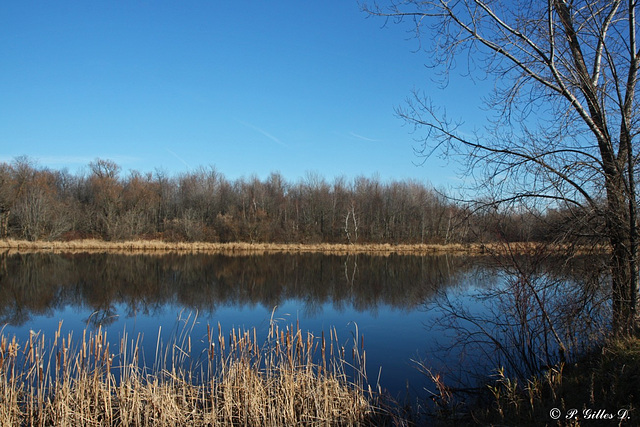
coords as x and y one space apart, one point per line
292 378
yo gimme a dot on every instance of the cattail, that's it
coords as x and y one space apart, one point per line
255 341
230 395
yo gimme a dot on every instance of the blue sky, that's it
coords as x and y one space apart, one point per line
250 87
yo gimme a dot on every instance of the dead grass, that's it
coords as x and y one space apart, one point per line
600 389
294 378
240 248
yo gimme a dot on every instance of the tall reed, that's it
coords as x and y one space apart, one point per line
290 378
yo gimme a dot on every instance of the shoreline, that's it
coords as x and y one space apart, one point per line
243 248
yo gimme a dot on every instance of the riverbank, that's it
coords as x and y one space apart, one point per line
601 388
240 248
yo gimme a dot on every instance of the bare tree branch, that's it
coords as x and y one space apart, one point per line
565 68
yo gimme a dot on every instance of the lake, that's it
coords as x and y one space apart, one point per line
395 303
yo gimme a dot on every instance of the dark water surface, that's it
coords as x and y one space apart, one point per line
385 299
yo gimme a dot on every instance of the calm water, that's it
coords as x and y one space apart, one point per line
388 300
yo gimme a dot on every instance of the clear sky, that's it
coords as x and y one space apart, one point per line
249 87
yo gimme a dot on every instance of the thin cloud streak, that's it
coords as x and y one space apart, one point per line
364 138
179 158
263 132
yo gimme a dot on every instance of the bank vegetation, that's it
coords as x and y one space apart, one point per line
104 203
242 248
293 378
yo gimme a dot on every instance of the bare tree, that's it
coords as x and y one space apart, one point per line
351 213
106 196
7 198
566 123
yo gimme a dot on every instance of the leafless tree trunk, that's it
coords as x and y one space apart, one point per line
351 213
566 124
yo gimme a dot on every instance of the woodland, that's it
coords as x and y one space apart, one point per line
202 205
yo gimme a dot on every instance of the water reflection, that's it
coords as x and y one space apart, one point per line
436 309
524 314
40 284
383 296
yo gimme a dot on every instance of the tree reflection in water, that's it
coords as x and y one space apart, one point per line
524 314
41 283
491 314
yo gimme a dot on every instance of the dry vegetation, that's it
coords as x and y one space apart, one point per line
293 378
600 389
204 206
158 246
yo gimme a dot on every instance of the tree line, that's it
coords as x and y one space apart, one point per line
202 205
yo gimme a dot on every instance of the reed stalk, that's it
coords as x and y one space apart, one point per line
292 378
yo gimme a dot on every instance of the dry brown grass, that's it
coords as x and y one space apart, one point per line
599 389
71 381
240 248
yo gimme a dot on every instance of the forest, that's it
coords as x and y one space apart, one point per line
38 203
